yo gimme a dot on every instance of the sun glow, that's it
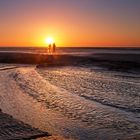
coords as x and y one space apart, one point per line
49 40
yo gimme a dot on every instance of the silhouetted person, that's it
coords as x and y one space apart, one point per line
54 48
49 48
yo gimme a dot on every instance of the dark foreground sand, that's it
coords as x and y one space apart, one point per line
12 129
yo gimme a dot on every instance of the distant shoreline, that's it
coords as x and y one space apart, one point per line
112 61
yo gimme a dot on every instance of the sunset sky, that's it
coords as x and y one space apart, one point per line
75 23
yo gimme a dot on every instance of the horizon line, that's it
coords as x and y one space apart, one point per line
71 46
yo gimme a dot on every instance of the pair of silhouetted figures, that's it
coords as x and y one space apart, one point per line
52 48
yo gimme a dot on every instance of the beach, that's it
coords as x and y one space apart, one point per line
69 70
80 96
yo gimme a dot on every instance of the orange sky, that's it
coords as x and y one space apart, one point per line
83 24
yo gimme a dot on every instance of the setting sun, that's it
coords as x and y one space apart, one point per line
49 40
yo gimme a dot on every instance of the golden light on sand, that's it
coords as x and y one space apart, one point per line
49 40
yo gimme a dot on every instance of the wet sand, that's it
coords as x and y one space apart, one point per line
18 105
96 97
